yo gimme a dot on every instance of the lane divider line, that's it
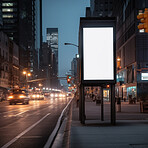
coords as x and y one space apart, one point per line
24 132
16 114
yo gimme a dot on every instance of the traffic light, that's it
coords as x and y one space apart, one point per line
69 79
143 17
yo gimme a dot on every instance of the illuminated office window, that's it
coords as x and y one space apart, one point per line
7 10
8 16
7 4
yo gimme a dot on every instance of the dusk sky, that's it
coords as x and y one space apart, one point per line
64 15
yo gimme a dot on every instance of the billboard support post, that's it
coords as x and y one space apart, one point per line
102 105
113 109
82 105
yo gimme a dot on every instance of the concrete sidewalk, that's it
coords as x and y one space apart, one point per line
130 131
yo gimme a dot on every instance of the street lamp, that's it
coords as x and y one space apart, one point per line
77 55
27 74
71 44
78 62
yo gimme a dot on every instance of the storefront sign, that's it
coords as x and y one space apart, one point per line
144 76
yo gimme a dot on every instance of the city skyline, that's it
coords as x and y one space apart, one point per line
66 19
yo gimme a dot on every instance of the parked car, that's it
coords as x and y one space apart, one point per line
18 96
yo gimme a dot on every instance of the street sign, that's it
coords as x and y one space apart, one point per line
97 51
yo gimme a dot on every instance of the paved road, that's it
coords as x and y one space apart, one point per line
24 126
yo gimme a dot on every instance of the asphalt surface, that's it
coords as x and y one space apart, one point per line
25 126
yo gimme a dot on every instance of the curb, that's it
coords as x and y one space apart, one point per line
58 130
62 139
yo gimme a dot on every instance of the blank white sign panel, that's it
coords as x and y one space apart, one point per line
98 55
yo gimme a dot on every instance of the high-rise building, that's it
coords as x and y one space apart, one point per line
52 40
10 17
4 60
46 65
131 45
101 8
21 22
1 21
131 50
9 62
74 67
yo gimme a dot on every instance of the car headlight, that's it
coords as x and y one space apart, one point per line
60 95
10 97
51 95
56 95
21 96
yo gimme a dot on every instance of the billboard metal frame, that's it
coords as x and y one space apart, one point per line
96 22
99 23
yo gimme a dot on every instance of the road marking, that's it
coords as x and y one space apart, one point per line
21 113
31 137
16 110
24 132
27 107
16 114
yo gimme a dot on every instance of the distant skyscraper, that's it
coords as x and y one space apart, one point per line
52 40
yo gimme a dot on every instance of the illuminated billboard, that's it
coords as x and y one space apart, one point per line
97 51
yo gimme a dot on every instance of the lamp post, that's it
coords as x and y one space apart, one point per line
77 57
27 74
78 99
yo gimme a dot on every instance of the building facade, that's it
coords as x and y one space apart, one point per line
4 60
132 50
46 65
9 62
131 45
1 21
52 40
21 22
101 8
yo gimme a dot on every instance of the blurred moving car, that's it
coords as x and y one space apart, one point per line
18 96
57 94
69 94
36 96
